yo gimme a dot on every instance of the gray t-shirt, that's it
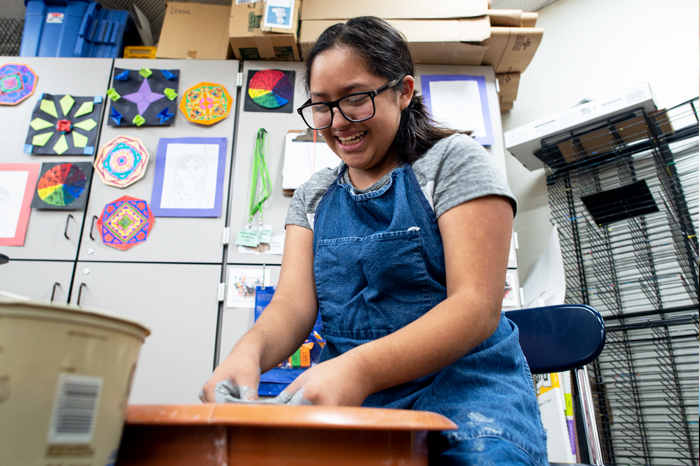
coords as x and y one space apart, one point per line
455 170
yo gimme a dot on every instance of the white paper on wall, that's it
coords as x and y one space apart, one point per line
546 284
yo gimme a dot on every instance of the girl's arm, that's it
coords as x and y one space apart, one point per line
476 237
283 327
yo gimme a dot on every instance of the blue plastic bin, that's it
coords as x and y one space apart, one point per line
73 28
103 36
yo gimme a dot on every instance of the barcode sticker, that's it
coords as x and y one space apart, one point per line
75 409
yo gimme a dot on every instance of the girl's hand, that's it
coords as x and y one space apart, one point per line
337 382
244 373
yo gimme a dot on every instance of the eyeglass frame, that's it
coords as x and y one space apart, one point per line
336 104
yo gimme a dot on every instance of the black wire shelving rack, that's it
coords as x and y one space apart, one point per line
624 195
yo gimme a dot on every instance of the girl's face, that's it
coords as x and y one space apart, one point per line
367 144
190 172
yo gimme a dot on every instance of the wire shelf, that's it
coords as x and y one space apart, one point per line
624 195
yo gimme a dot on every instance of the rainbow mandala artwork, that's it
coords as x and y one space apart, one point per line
62 186
121 162
270 88
206 103
125 223
17 82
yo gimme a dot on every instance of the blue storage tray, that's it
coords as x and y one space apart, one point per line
73 28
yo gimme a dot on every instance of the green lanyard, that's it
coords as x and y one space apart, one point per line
259 171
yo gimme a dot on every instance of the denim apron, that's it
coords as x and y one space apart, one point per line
379 264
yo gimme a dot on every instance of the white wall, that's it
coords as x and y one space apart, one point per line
591 49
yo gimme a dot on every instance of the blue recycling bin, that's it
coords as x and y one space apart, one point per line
73 28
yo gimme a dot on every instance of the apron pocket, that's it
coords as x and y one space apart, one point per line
378 282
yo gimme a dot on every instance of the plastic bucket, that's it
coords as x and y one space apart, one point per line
65 376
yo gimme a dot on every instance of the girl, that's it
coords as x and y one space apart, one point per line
403 249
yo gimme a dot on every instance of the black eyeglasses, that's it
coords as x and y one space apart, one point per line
354 107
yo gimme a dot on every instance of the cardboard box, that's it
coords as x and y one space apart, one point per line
597 142
505 107
448 42
569 151
528 20
588 144
182 37
392 9
632 130
506 18
635 129
508 86
525 141
511 49
663 122
250 42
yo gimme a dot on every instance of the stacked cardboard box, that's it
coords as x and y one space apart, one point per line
181 37
518 23
450 32
252 40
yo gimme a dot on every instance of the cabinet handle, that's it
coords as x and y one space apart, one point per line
92 227
80 293
65 230
53 292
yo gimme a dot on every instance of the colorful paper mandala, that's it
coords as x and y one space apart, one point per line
121 162
206 103
143 97
125 223
17 82
63 124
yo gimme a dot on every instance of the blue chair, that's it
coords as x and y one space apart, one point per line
561 338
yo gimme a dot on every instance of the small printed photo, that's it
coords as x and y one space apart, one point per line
241 286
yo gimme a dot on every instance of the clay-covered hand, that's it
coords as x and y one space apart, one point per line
337 382
243 372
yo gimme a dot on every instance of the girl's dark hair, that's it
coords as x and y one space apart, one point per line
386 54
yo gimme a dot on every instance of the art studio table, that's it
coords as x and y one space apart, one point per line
247 435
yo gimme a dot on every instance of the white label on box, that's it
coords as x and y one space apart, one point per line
278 14
243 2
56 18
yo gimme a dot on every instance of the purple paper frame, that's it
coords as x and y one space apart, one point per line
426 79
215 211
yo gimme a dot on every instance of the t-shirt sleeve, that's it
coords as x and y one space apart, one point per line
466 171
302 207
296 213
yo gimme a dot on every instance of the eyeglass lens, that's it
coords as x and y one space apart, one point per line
353 107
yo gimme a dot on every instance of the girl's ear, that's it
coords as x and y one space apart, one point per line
407 92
